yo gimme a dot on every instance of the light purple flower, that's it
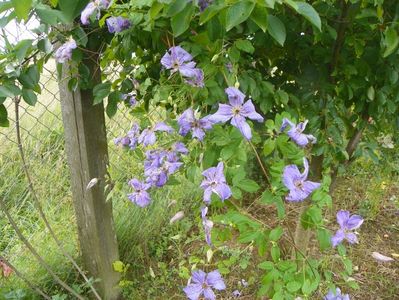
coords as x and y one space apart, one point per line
188 122
179 147
197 80
91 8
64 52
147 136
117 24
336 296
140 196
131 139
131 98
296 133
215 182
207 224
347 224
159 164
296 182
237 111
236 293
178 59
203 283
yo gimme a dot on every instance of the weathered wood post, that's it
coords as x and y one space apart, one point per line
87 156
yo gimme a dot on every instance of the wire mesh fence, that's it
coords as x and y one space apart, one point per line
41 140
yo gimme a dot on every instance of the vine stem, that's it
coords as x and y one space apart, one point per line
260 162
38 205
29 284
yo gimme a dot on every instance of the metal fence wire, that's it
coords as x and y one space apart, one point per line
44 175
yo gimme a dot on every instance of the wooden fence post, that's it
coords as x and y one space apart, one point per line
87 156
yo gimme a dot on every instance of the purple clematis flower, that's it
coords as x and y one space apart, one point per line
131 139
64 52
131 98
296 182
147 136
178 59
237 111
203 283
188 122
117 24
140 196
336 296
348 224
91 8
215 182
296 133
179 147
197 80
207 224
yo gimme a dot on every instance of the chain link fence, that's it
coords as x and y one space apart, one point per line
41 140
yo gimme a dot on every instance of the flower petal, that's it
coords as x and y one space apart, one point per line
354 222
215 280
193 291
209 294
223 114
342 218
338 238
223 191
239 122
236 97
248 111
290 175
198 276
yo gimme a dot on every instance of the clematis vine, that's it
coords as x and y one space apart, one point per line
296 182
296 133
117 24
347 225
64 52
337 295
237 111
147 136
93 7
215 182
203 284
188 122
207 224
197 80
140 195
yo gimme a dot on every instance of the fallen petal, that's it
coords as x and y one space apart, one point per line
380 257
178 216
92 183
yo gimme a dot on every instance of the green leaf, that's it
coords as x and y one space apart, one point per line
112 105
71 9
371 93
259 16
266 265
275 252
45 45
276 29
293 286
22 48
5 5
391 41
101 91
210 12
309 13
3 116
30 77
238 13
248 185
324 238
268 146
22 8
245 45
48 15
175 7
276 233
29 96
181 21
6 92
